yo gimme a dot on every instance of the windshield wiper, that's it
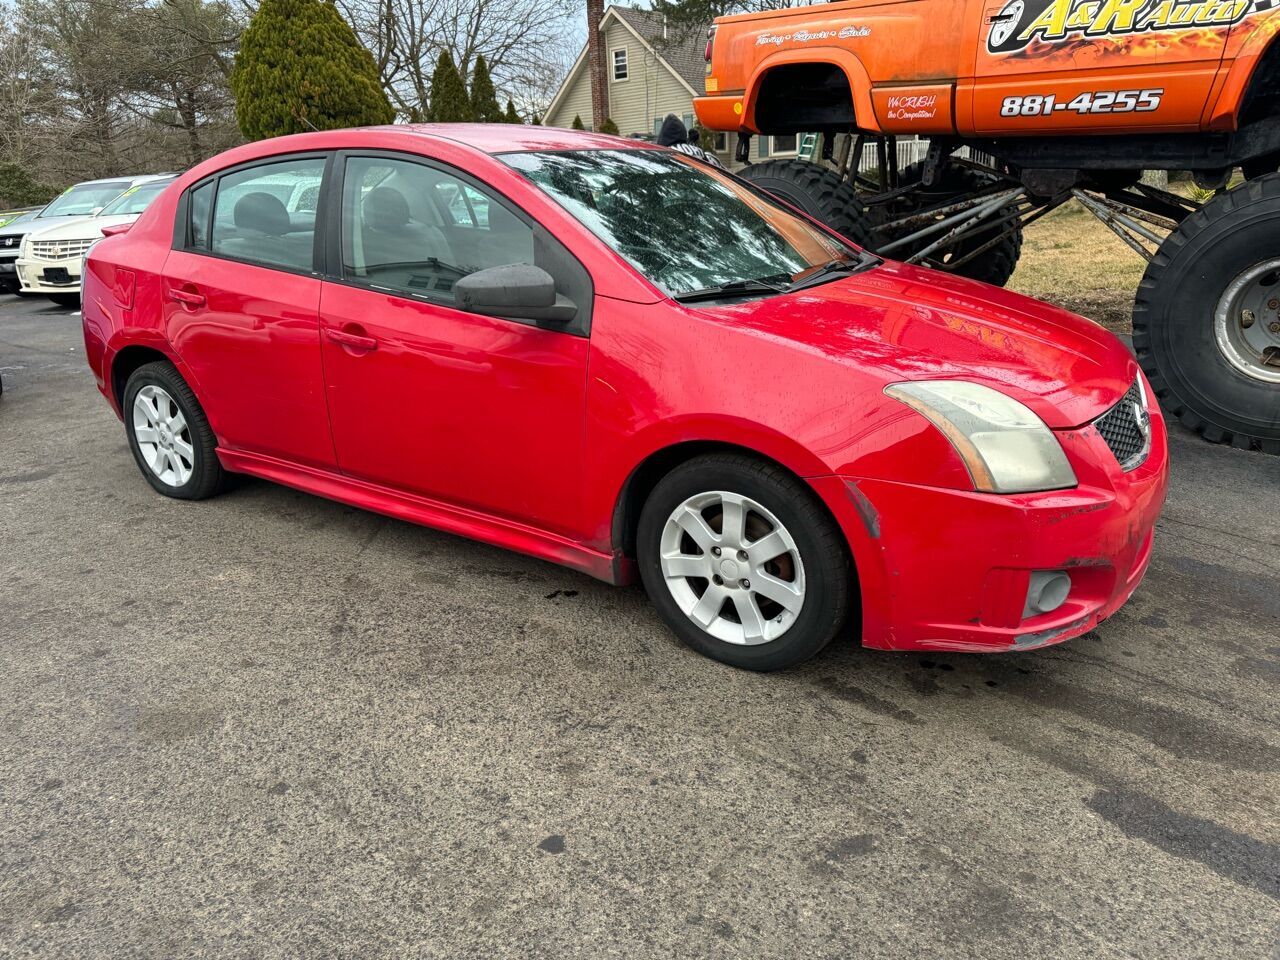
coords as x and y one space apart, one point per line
832 270
735 288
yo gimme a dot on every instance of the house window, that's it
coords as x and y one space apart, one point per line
783 144
720 141
620 64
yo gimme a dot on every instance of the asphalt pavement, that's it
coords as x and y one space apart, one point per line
269 725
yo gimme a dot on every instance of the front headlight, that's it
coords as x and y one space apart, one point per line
1005 446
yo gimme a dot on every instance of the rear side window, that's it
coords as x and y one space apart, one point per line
201 198
265 214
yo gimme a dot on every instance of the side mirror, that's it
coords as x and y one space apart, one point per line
517 290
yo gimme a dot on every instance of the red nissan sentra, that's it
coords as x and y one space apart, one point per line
604 354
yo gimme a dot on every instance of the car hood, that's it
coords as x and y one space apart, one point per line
40 225
79 228
897 322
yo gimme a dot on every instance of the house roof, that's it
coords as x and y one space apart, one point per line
682 49
680 52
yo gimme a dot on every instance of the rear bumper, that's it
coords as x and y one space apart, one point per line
949 570
41 276
720 112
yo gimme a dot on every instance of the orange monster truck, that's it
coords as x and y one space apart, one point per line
1026 104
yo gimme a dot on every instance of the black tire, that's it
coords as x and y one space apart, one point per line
821 547
207 476
70 301
994 266
1173 317
821 193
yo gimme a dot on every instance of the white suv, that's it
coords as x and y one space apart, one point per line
56 240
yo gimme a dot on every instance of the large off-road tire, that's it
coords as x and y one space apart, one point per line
994 266
1206 320
817 191
743 562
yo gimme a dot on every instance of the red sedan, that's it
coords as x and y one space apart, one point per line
604 354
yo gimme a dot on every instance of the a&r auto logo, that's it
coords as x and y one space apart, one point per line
1050 21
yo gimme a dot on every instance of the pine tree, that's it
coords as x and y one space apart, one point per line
449 100
535 121
609 126
484 99
511 116
577 122
301 67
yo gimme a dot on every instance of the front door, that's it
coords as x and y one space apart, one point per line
1083 66
479 412
241 307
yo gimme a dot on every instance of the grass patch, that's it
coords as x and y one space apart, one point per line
1071 259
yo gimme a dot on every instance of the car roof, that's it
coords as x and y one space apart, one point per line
496 138
509 137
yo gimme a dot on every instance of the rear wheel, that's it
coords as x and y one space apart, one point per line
821 193
170 438
1206 321
743 562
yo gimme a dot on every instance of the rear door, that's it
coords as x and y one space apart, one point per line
242 299
1083 66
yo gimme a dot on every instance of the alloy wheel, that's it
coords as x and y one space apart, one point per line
162 435
732 568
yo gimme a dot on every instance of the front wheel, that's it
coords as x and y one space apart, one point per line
1206 321
743 562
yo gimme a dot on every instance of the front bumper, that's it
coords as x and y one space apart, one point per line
49 276
943 569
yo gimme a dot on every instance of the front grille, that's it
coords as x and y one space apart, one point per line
59 249
1126 428
9 246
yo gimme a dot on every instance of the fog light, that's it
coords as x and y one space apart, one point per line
1046 592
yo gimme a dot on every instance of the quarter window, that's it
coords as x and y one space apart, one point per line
415 230
201 198
620 64
267 214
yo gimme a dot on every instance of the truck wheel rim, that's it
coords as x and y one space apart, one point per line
163 437
732 568
1247 322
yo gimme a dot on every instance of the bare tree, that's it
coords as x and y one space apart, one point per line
527 43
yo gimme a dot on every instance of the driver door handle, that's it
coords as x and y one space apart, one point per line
1002 18
349 337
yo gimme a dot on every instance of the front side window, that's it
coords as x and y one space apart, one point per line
412 229
136 199
266 214
683 225
83 199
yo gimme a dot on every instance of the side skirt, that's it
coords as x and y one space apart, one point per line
611 568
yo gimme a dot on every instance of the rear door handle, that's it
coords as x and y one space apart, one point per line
188 298
348 338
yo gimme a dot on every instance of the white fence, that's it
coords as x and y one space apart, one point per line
909 152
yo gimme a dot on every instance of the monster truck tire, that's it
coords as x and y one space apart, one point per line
821 193
1190 311
997 264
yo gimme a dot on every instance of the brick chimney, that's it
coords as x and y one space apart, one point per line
596 64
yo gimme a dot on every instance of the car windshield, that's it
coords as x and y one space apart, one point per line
84 198
688 228
134 200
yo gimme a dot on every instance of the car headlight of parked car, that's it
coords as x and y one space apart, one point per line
1004 445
